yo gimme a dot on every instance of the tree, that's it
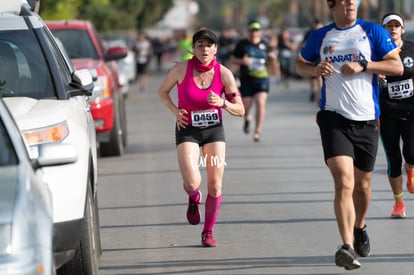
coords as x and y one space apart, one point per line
63 9
107 15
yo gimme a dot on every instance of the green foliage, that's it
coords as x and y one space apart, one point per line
62 9
237 13
121 15
107 15
151 13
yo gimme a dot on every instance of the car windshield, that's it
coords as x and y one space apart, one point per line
77 43
7 153
24 70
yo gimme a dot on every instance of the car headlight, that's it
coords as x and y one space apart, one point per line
5 239
53 133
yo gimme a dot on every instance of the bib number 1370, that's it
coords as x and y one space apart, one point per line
401 89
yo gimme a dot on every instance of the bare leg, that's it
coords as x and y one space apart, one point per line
362 196
260 100
188 154
396 187
248 103
342 170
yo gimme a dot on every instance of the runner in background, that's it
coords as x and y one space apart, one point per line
254 55
397 116
143 52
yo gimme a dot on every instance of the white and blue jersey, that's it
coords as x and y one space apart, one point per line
355 97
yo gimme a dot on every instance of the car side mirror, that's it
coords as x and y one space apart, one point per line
51 154
115 53
82 81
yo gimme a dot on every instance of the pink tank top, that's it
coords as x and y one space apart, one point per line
193 98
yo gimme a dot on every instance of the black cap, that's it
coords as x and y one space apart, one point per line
331 3
206 34
254 25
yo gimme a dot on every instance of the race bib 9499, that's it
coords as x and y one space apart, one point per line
205 118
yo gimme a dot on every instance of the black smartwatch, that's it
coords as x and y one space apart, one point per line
364 64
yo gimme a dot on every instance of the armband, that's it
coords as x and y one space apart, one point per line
230 97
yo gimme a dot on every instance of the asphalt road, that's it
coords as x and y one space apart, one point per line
277 212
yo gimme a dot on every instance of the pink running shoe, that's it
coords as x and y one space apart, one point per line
399 210
193 211
410 181
207 239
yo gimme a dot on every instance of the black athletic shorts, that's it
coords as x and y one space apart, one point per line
251 86
142 68
343 137
199 135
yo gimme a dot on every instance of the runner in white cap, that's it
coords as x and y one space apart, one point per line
397 116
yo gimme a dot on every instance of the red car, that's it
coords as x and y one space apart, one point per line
86 50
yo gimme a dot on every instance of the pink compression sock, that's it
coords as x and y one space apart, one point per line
194 195
211 212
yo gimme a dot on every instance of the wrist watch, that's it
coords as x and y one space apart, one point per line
224 104
364 64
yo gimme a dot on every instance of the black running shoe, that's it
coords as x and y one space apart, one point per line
347 258
361 242
246 126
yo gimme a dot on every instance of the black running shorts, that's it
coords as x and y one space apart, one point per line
251 86
344 137
200 136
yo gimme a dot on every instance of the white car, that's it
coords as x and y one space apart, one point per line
48 100
26 221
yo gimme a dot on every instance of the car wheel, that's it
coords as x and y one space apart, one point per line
114 146
85 261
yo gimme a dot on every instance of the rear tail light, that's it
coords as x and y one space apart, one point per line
101 88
